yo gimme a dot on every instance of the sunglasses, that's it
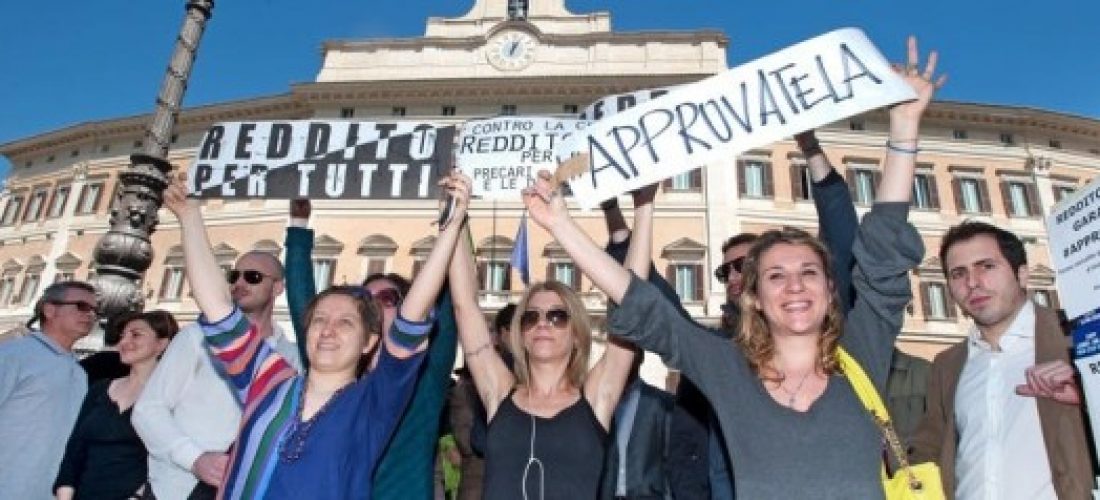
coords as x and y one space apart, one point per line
723 271
387 297
251 276
557 318
80 305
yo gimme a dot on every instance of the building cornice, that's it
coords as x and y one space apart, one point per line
475 41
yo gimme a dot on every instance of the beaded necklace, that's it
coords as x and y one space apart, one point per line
295 441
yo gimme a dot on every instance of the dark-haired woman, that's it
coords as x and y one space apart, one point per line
105 459
316 435
792 423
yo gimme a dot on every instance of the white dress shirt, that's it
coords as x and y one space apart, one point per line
187 408
1001 454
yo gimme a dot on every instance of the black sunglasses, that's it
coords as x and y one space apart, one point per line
557 318
251 276
80 305
386 297
723 271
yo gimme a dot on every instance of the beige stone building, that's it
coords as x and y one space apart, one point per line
1003 164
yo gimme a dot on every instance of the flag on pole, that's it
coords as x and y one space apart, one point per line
519 258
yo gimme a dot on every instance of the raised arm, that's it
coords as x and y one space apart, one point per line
203 273
492 378
425 288
901 148
300 285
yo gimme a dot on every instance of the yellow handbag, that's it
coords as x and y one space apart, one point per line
910 482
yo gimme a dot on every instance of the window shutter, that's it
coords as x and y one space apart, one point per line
769 184
507 278
481 272
924 302
670 275
741 177
933 192
1033 206
550 271
697 270
983 193
956 191
1055 304
876 180
850 177
578 279
1006 197
796 181
666 184
697 179
950 303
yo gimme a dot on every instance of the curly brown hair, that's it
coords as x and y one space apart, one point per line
755 337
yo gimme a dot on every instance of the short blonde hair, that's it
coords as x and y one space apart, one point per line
755 336
579 325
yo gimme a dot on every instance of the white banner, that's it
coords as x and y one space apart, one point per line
615 104
1086 355
813 83
1074 230
503 155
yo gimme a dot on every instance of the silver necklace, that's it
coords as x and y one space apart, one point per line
798 388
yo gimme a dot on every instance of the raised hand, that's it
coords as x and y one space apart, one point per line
1053 380
458 186
924 83
544 201
175 197
644 195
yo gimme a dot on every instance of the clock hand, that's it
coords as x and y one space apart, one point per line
512 48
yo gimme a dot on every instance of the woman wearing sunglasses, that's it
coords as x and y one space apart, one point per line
316 435
792 423
548 420
105 458
405 470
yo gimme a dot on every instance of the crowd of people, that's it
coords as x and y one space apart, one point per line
352 403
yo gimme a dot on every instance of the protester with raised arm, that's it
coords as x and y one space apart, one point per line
405 469
547 422
105 459
792 423
317 435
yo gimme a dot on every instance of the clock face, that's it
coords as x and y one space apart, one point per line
510 51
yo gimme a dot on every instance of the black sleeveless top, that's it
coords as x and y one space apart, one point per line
570 447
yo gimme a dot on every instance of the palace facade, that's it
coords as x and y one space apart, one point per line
1003 164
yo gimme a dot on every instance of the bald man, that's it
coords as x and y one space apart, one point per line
187 414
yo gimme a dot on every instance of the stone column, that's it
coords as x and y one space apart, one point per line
124 254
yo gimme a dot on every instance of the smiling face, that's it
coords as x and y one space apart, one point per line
138 342
336 334
793 291
983 282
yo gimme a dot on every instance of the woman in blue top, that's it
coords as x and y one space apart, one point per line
317 435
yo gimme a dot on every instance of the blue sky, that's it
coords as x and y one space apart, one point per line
67 62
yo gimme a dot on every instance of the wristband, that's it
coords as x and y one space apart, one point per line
896 149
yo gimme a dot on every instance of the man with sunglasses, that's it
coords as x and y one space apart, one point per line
41 390
187 414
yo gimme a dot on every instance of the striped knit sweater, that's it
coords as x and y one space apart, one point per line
347 438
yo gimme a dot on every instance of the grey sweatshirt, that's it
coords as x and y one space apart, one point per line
833 450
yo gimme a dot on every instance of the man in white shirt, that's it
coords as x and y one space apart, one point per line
41 390
1003 418
187 414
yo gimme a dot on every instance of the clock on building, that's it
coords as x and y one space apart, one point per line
511 50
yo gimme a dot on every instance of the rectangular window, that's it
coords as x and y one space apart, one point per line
172 285
34 207
60 199
687 281
74 153
322 273
376 266
7 286
30 288
496 277
347 112
1007 139
448 111
64 276
801 182
508 110
104 148
864 183
959 134
754 178
517 10
1018 200
11 212
936 302
565 272
138 144
924 192
1061 192
687 181
397 111
856 125
89 198
1055 144
970 196
1042 297
569 109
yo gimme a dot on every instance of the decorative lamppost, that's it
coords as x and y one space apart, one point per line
124 254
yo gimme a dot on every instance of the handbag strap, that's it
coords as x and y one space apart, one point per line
872 401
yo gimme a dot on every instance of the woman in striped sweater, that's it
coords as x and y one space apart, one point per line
320 435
